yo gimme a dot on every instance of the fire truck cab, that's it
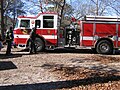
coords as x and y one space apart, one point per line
46 30
100 33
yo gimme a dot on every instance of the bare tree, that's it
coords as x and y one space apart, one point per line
59 6
3 6
82 8
103 6
95 7
2 20
35 6
12 8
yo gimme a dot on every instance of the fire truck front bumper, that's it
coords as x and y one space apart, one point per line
21 46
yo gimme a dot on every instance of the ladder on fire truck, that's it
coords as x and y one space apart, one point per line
102 18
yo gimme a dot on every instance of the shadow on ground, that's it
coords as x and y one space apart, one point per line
3 56
7 65
61 84
63 50
80 51
87 51
69 50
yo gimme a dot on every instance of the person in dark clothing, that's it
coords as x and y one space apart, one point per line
32 39
9 40
0 42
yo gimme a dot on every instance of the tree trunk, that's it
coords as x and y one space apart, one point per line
2 20
64 2
97 8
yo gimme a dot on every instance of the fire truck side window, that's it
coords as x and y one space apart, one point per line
48 21
37 23
25 23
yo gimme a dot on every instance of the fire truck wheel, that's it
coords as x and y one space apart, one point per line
104 47
40 46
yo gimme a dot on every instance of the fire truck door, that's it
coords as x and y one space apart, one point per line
49 31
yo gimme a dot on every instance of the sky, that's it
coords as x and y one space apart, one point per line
34 9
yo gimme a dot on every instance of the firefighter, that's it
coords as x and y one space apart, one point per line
32 40
9 40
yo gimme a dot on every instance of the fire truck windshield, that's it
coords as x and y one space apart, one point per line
16 25
25 23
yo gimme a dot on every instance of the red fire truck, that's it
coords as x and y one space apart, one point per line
100 33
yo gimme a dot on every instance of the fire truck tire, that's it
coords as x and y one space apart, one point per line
104 47
40 46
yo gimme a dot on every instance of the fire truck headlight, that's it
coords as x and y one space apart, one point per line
96 37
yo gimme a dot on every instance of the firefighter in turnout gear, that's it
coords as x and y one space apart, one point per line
9 40
32 39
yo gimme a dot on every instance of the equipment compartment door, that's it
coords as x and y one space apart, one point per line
87 39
